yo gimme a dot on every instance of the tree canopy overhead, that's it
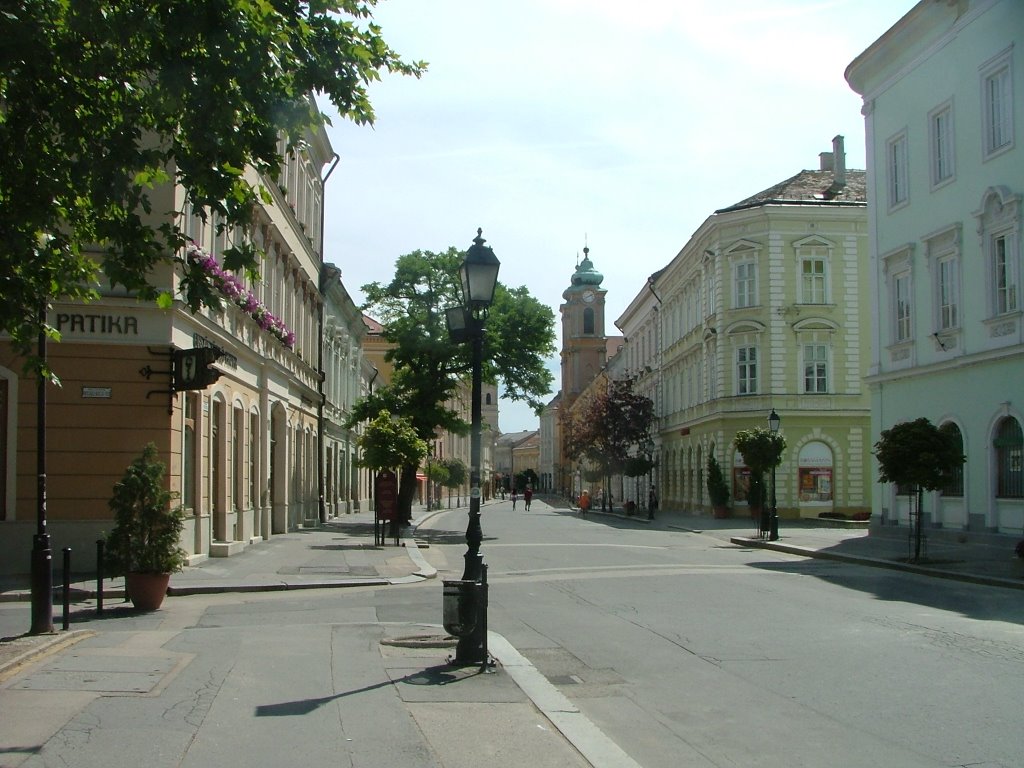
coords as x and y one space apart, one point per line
101 101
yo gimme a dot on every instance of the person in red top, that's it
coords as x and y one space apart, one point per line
527 495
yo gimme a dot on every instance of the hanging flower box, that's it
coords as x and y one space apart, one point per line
231 288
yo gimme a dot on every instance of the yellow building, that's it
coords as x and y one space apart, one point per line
244 452
765 307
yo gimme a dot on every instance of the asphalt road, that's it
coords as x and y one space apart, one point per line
687 650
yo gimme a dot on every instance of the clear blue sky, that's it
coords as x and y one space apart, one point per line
551 123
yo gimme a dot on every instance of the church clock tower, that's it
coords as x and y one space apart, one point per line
584 347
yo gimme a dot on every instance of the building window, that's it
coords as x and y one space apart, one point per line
254 461
940 129
954 481
588 320
999 227
812 280
997 104
712 356
902 324
942 251
948 293
815 369
216 468
1009 447
899 174
746 284
746 371
188 454
1004 273
238 459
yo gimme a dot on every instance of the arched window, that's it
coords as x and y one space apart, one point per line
254 460
188 454
588 320
1009 445
955 480
488 401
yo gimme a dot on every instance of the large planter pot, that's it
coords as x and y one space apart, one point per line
146 590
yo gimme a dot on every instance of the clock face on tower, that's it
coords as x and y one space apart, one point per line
588 296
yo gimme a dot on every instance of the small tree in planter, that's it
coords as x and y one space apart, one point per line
144 546
917 453
761 450
718 488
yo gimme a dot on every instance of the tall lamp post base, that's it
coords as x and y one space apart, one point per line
42 585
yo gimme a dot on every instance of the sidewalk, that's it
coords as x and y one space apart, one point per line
509 718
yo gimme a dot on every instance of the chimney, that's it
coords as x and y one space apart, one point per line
838 163
825 158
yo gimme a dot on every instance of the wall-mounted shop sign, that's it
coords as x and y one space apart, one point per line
225 359
97 392
100 324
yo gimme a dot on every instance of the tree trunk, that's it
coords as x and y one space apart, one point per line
917 526
407 488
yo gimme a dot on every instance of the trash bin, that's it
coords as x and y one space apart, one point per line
459 607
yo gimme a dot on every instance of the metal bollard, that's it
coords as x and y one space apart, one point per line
67 589
99 577
485 664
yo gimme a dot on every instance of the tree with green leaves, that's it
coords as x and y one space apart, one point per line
458 474
104 102
430 369
761 450
528 477
389 441
918 455
611 424
636 467
437 475
718 488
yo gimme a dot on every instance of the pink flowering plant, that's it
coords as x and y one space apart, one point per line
229 286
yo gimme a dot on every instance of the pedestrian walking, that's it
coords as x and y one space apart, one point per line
652 502
527 495
584 502
515 498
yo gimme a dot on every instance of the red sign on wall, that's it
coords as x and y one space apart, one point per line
385 491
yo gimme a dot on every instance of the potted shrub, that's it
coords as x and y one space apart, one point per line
144 545
718 488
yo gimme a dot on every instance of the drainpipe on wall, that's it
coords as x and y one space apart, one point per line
321 502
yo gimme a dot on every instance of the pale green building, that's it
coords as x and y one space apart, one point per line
942 104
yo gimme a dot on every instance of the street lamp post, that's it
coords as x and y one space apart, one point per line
774 420
479 275
42 555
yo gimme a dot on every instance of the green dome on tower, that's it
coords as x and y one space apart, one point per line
585 275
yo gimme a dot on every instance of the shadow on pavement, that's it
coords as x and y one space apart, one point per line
442 674
971 600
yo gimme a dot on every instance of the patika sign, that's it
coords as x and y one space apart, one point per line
97 324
